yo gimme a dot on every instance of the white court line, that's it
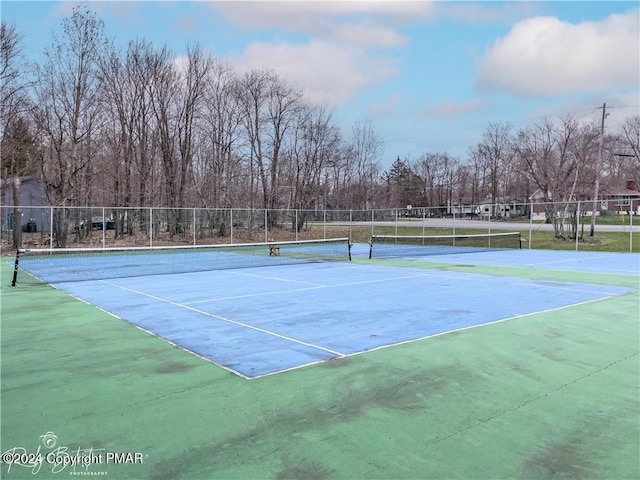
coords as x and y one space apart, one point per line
252 295
515 317
413 340
320 286
578 267
338 354
184 349
580 261
218 317
277 278
569 289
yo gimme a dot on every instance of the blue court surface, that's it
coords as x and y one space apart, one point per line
261 321
566 261
585 262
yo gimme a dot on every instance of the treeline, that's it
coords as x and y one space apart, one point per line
138 126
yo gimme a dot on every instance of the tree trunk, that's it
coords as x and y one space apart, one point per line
17 214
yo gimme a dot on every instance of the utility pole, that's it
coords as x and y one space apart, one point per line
596 191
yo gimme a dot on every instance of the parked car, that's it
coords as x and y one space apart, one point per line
98 223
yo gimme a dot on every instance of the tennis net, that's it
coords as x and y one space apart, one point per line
80 264
395 246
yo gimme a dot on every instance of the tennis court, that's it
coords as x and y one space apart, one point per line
564 261
484 364
291 316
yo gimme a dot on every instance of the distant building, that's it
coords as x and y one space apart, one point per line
619 200
32 197
625 199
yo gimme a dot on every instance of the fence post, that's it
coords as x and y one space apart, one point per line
151 227
531 224
266 226
372 220
489 225
350 222
631 228
296 225
454 225
395 227
51 228
231 220
577 224
193 216
324 223
104 229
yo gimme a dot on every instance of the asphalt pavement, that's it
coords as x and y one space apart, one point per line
485 224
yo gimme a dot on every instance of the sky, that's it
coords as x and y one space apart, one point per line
430 75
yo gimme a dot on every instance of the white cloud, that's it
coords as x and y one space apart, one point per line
361 23
367 35
485 12
544 56
327 72
307 16
341 54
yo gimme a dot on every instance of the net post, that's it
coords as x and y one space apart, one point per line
15 268
349 244
371 247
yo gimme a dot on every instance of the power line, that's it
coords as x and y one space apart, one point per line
519 121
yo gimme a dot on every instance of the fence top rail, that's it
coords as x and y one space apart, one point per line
453 207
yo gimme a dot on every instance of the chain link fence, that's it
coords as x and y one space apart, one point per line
560 225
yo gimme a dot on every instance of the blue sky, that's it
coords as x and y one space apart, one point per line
429 75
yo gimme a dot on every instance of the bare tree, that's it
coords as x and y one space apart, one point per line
478 170
631 136
270 108
284 105
67 111
15 141
314 142
253 91
141 67
130 133
363 154
555 158
12 84
20 155
437 173
219 167
495 152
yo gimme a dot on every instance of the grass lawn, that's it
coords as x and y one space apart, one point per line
601 242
